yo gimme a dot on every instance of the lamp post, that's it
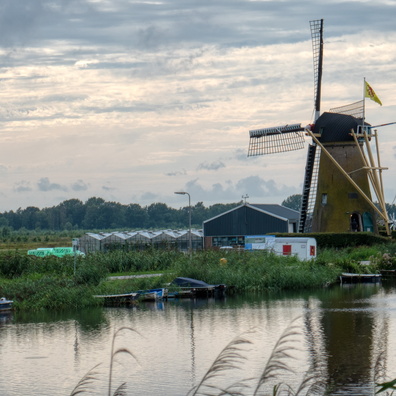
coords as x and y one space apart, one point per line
189 218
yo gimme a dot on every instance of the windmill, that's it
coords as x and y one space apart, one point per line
341 169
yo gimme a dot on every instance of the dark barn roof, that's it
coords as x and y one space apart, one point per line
278 210
334 127
251 219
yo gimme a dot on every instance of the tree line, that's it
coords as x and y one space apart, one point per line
98 214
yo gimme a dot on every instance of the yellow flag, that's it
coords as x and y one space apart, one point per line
369 93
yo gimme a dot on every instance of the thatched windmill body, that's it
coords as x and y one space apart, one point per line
341 171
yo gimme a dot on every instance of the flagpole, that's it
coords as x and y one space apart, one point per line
364 100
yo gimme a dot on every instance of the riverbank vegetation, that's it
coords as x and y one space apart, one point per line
63 283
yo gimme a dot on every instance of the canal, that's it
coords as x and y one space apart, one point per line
342 337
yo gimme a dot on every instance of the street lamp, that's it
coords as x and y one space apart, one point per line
189 218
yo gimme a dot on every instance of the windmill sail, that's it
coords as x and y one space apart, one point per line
313 155
354 109
276 139
317 47
309 190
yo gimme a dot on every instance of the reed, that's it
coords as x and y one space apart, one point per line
87 383
258 271
221 378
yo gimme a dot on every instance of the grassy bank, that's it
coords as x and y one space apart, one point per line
51 283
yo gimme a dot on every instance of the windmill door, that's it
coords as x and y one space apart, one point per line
356 222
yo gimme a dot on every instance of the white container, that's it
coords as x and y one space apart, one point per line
303 248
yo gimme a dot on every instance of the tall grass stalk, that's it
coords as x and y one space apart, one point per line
122 388
89 379
231 358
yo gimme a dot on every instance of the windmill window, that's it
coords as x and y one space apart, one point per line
353 195
324 199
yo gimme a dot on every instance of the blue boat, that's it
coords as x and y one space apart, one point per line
5 305
152 294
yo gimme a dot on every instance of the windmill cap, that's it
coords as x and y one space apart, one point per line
334 127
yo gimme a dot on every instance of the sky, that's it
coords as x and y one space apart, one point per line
131 100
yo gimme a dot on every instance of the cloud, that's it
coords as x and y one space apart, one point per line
258 189
22 186
181 172
149 196
241 155
214 166
108 188
18 21
45 185
79 185
156 94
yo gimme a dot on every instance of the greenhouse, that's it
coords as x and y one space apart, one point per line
141 240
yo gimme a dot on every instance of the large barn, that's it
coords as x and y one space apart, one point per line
231 227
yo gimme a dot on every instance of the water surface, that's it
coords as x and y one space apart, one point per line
345 336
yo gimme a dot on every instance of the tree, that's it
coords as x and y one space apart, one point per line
29 217
199 214
293 202
72 211
93 208
160 215
136 216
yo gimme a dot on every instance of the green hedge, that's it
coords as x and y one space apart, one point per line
341 240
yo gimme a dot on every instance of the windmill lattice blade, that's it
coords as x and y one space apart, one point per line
310 188
354 109
276 140
317 47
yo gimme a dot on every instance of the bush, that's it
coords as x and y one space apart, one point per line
342 240
35 293
88 273
13 265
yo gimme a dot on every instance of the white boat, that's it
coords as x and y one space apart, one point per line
118 299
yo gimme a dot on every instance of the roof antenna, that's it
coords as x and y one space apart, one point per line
245 197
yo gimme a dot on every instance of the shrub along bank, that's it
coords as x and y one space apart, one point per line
52 283
342 240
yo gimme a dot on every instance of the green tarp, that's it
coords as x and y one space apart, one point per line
57 251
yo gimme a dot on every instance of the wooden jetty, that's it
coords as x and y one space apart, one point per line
359 278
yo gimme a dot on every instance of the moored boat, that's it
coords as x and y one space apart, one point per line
152 294
134 297
189 287
359 278
118 299
5 304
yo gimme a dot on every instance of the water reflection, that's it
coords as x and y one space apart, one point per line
88 320
350 340
344 332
